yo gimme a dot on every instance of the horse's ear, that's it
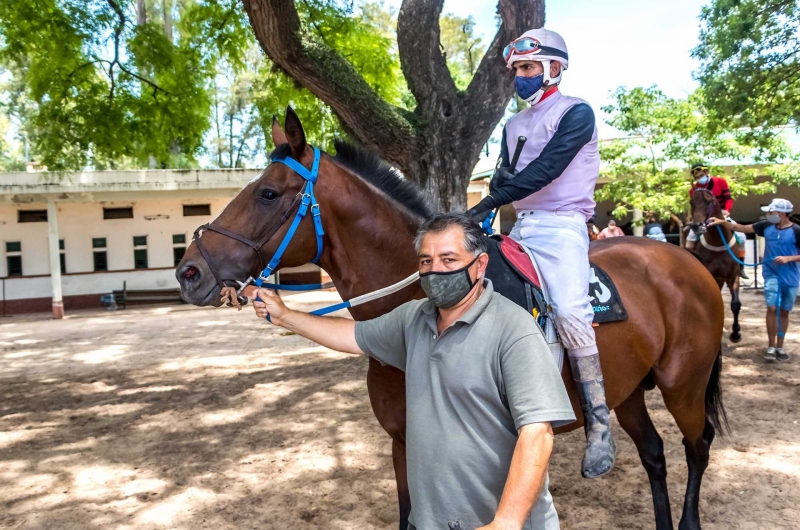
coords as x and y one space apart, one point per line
278 136
294 133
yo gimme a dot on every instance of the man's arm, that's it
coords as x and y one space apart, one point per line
783 260
525 477
736 227
725 193
332 332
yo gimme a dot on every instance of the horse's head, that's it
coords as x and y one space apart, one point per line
238 243
704 206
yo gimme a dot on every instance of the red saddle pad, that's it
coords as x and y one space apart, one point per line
519 259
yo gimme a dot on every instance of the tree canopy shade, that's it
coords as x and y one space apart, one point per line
438 142
105 81
171 83
749 52
648 169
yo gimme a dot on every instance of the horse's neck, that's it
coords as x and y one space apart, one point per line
369 247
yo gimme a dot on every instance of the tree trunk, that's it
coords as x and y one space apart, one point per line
141 13
167 6
440 146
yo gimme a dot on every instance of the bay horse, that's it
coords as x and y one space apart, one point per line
710 248
370 215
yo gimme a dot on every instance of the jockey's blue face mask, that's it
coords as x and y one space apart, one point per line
528 86
447 288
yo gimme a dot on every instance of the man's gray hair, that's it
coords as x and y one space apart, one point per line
474 241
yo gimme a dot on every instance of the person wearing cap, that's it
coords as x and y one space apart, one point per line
718 187
553 194
781 271
612 230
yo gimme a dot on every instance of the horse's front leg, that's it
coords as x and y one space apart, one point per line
386 386
736 305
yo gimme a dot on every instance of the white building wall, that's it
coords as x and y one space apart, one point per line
82 284
79 223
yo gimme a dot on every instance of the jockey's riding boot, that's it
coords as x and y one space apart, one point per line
600 449
743 275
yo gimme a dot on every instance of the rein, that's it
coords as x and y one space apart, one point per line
304 201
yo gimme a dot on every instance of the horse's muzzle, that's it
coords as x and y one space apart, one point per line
699 228
196 288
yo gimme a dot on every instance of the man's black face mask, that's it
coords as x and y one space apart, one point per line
447 289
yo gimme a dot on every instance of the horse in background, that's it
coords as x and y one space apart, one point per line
711 250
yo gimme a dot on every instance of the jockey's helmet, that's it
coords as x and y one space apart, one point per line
542 45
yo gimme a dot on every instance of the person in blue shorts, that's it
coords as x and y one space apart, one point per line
781 271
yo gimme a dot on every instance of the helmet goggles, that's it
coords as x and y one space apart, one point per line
530 46
522 46
698 168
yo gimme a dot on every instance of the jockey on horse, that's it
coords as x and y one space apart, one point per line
553 197
719 188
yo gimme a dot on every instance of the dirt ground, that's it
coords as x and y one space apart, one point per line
179 417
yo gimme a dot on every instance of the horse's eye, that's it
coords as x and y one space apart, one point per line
269 195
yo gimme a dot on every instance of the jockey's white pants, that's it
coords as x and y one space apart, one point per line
560 244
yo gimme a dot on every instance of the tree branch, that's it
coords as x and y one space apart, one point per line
115 61
491 87
424 65
374 122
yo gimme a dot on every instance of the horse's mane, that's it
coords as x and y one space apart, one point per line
369 167
383 176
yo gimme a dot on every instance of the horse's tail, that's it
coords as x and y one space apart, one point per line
715 409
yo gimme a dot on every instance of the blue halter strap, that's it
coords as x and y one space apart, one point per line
308 202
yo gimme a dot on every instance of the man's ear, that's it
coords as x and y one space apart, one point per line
555 68
483 262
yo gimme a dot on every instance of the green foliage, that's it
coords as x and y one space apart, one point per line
750 62
90 84
10 159
105 90
648 169
462 48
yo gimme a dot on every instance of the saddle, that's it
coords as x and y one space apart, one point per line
515 275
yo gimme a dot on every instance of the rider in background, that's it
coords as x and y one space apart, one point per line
718 187
553 196
781 271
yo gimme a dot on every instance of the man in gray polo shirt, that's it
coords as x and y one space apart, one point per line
482 389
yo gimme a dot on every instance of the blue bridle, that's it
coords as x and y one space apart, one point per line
308 202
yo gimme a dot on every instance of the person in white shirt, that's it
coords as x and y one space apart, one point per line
553 196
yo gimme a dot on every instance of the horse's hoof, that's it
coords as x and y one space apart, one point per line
736 338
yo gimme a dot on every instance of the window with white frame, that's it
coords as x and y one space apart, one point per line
139 252
178 248
13 258
62 256
100 254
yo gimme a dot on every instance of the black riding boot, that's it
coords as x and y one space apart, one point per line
743 275
600 449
